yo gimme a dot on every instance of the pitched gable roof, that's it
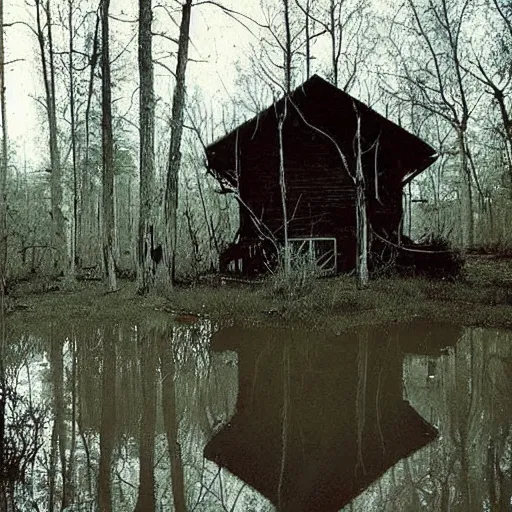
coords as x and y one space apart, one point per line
334 112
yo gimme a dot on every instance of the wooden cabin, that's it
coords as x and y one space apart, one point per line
319 152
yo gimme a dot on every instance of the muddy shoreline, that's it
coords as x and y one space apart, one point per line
482 298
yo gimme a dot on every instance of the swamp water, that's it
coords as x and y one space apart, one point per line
191 417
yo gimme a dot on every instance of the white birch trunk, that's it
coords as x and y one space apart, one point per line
282 185
361 217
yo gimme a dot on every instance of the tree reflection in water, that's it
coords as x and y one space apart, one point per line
117 416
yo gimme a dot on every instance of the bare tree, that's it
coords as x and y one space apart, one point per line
48 66
441 87
287 51
282 187
492 69
145 266
3 254
87 197
347 25
3 163
72 106
307 9
361 216
287 58
174 162
108 153
281 46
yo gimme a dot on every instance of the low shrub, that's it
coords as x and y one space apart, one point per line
435 259
298 280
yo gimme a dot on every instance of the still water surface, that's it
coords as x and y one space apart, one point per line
193 417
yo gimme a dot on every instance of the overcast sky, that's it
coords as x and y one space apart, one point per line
217 40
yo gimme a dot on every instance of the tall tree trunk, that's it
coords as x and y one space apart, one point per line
115 196
108 154
334 51
74 238
58 221
145 266
173 168
282 119
466 194
3 164
287 48
361 217
88 201
282 186
307 22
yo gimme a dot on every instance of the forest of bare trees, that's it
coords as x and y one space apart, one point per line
113 181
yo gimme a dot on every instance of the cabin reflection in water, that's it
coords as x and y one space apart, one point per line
317 423
119 396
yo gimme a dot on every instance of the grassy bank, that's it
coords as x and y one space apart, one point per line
482 298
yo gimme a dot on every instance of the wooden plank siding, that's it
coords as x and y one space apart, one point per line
320 192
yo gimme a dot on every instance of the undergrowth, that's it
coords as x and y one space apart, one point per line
296 281
483 297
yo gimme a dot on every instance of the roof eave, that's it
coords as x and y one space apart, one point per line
424 165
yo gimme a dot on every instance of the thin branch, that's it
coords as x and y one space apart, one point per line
165 66
7 63
231 12
111 16
504 17
13 23
125 49
165 36
130 122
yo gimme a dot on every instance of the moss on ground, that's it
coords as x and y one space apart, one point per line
482 298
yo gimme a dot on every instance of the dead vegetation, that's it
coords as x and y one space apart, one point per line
482 297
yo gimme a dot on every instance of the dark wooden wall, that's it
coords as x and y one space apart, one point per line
320 193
